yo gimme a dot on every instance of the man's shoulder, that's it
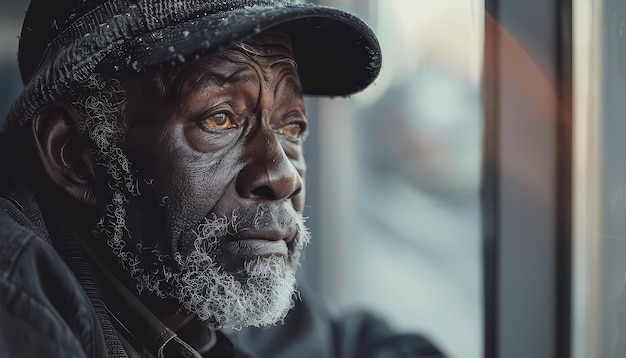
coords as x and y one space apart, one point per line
43 308
14 240
28 268
31 264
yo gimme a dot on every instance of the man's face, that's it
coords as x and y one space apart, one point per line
216 149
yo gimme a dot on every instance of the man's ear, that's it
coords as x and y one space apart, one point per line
64 152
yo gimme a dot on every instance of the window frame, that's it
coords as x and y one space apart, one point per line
527 179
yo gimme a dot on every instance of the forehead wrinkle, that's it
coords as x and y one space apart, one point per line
252 65
209 79
287 80
277 69
213 71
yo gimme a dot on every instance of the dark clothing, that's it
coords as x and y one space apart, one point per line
52 305
44 312
57 302
311 331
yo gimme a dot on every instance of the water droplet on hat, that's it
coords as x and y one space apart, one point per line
171 49
185 33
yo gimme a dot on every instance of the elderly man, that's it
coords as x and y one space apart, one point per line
153 178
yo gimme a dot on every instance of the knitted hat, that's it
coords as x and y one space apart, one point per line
64 41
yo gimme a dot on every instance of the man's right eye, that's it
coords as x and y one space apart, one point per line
219 121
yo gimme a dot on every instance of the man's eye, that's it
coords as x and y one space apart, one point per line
291 130
219 121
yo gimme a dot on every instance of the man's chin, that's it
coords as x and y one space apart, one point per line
260 294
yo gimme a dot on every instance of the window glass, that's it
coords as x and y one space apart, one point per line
613 193
399 176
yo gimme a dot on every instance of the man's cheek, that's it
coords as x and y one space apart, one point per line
199 187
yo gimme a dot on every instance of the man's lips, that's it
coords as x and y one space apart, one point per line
270 235
250 244
253 248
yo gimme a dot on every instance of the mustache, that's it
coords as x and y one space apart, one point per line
215 229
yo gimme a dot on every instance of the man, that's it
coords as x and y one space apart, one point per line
153 178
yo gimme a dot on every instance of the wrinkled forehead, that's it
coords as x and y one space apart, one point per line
266 57
269 52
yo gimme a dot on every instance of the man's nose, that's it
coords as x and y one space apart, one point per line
269 174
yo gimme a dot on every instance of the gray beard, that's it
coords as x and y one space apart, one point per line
259 293
221 298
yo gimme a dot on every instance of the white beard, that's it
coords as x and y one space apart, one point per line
220 299
259 293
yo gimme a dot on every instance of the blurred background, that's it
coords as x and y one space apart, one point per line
11 17
395 206
394 172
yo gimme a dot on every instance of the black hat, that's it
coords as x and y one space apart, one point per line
63 42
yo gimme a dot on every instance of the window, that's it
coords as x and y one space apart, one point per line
599 295
396 210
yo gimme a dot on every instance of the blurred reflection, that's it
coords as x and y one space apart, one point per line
402 224
419 218
426 132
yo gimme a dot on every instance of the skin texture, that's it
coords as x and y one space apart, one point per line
214 143
223 137
220 137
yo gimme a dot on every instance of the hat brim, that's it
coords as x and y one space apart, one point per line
337 54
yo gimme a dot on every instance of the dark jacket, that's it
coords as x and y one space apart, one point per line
44 312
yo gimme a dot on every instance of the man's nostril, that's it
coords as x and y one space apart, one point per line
263 192
296 192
